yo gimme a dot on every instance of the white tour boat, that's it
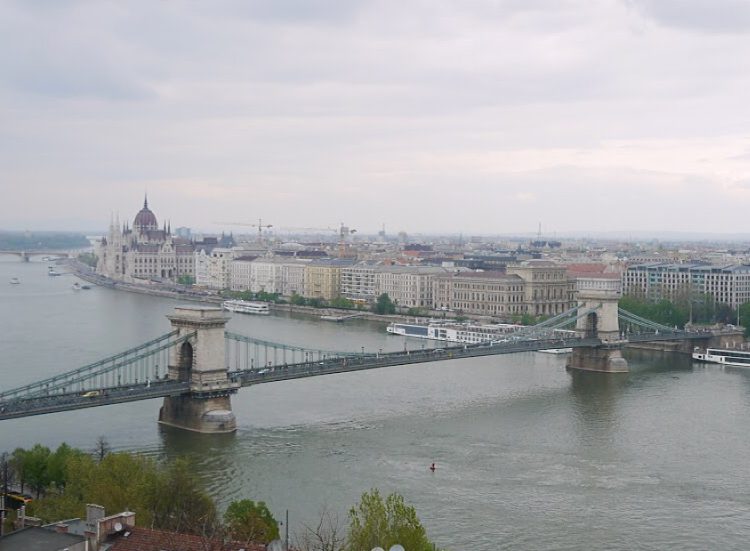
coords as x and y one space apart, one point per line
466 333
15 281
724 356
246 307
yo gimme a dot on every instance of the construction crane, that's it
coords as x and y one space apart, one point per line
260 225
343 231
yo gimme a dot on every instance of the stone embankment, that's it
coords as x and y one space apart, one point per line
155 289
180 292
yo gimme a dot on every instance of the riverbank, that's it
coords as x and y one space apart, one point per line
87 273
180 292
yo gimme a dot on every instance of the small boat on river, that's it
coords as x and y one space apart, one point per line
247 307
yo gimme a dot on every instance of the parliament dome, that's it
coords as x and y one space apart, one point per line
145 219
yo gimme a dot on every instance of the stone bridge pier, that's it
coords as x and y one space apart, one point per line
201 362
599 296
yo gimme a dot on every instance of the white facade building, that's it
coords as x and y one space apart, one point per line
213 269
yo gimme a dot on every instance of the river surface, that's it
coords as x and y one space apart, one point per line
528 456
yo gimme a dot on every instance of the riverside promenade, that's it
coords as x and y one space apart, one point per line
185 292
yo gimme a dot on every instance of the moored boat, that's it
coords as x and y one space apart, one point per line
723 356
466 333
246 307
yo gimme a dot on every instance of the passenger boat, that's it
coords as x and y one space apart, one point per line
466 333
15 281
724 356
53 273
246 307
556 351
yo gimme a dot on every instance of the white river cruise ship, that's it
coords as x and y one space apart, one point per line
246 307
724 356
454 332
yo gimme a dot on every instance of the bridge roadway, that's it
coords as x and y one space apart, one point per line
41 405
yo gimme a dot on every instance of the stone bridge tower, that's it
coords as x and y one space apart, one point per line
201 362
598 297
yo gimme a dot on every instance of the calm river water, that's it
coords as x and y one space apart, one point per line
528 455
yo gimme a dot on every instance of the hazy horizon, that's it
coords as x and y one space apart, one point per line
445 117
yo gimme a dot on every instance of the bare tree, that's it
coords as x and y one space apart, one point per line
326 535
101 449
6 472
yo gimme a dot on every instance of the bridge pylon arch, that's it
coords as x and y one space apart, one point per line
598 299
200 361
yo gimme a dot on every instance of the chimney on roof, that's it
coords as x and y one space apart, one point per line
94 512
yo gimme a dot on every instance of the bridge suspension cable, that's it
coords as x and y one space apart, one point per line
128 367
549 326
641 321
251 353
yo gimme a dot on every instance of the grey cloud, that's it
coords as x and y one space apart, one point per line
311 110
703 15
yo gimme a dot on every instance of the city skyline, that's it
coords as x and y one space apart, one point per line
481 119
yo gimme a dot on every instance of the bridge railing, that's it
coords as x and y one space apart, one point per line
131 366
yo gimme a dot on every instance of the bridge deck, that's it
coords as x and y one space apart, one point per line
39 405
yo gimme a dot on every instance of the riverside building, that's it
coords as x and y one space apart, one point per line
144 251
727 284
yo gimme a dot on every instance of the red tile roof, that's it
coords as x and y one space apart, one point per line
148 539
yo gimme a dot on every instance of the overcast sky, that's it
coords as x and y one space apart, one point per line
465 116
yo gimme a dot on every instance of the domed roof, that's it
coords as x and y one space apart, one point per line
145 219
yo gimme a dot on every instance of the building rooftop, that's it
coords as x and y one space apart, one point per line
35 538
147 539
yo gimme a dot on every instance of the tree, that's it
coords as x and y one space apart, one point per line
6 472
326 535
57 465
176 502
17 462
297 300
343 303
90 259
745 317
247 520
186 280
35 467
384 305
376 522
101 449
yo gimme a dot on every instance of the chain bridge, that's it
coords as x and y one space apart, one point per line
198 365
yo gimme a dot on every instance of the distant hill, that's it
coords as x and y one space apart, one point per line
41 240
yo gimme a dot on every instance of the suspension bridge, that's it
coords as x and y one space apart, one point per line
198 365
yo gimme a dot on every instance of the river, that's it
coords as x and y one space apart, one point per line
529 456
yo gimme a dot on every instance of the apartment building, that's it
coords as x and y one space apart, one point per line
213 267
241 268
284 276
323 278
727 284
358 282
407 286
547 289
538 288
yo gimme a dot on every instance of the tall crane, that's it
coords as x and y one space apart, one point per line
260 225
343 231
